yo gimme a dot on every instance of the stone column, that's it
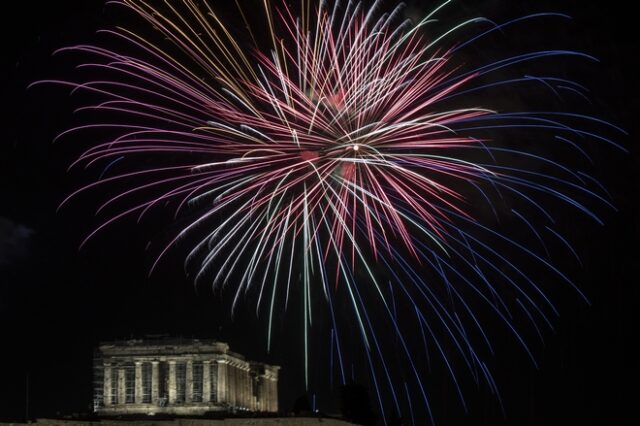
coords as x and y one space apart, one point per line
231 385
122 390
273 394
258 385
222 382
250 387
245 389
267 394
172 382
107 385
155 383
238 374
235 392
206 381
188 386
138 383
253 391
240 387
262 394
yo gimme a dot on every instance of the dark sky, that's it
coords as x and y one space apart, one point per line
57 302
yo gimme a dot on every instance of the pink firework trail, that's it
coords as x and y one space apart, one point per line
344 161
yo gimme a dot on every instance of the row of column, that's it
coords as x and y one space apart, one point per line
171 387
234 386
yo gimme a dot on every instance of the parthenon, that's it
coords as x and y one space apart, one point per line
183 377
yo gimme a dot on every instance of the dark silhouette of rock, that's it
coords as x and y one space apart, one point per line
301 406
355 405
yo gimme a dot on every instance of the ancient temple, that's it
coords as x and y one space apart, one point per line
182 377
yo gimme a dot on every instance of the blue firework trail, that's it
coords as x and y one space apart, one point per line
360 162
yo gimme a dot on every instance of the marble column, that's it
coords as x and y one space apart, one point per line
264 393
172 382
107 385
188 391
242 394
238 392
246 390
138 383
155 383
231 383
267 393
253 392
121 387
241 389
206 381
222 382
273 395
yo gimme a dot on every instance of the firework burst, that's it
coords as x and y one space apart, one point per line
342 157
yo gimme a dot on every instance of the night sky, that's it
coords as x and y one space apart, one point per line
58 302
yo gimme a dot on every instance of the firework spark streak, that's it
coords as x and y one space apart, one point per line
347 157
